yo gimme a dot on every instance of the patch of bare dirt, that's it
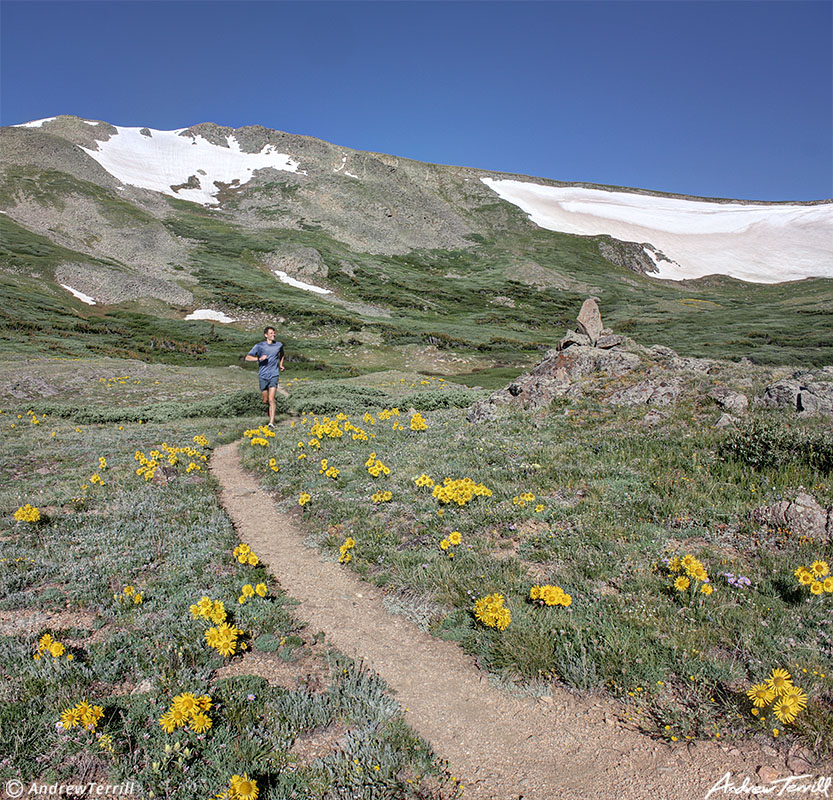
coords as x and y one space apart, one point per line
33 621
318 743
310 671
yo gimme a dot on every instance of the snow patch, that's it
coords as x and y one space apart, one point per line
167 159
207 313
351 175
748 241
284 278
87 122
84 298
34 123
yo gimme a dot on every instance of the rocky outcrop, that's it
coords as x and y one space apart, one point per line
803 516
298 262
656 392
558 375
641 257
729 400
613 369
803 394
631 255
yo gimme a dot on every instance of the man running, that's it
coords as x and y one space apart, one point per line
269 354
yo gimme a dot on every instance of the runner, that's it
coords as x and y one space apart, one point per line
269 354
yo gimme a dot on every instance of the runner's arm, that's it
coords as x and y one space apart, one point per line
255 354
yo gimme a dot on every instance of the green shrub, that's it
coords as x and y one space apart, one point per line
234 404
439 398
774 443
330 397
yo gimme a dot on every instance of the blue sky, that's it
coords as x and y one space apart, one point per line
720 99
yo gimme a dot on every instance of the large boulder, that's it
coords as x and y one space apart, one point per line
801 394
729 400
571 338
608 340
803 516
590 320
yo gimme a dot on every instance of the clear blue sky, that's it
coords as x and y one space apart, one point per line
724 99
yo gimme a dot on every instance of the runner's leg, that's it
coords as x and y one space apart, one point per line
272 405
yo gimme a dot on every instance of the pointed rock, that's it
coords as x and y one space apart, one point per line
590 320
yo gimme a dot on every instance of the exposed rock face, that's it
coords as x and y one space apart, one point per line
590 320
630 255
801 394
593 362
112 286
729 400
641 257
803 516
299 262
659 392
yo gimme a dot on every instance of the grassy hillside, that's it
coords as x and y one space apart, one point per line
462 305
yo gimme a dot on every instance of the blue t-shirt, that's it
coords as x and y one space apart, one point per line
268 368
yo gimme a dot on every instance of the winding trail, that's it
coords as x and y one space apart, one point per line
499 746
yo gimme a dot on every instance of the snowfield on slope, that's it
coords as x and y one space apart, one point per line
284 277
759 243
166 158
84 298
210 314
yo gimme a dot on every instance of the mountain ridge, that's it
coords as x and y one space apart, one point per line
423 253
201 126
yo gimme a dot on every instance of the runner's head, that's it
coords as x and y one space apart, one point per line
269 333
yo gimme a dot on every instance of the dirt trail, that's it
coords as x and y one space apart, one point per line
501 747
